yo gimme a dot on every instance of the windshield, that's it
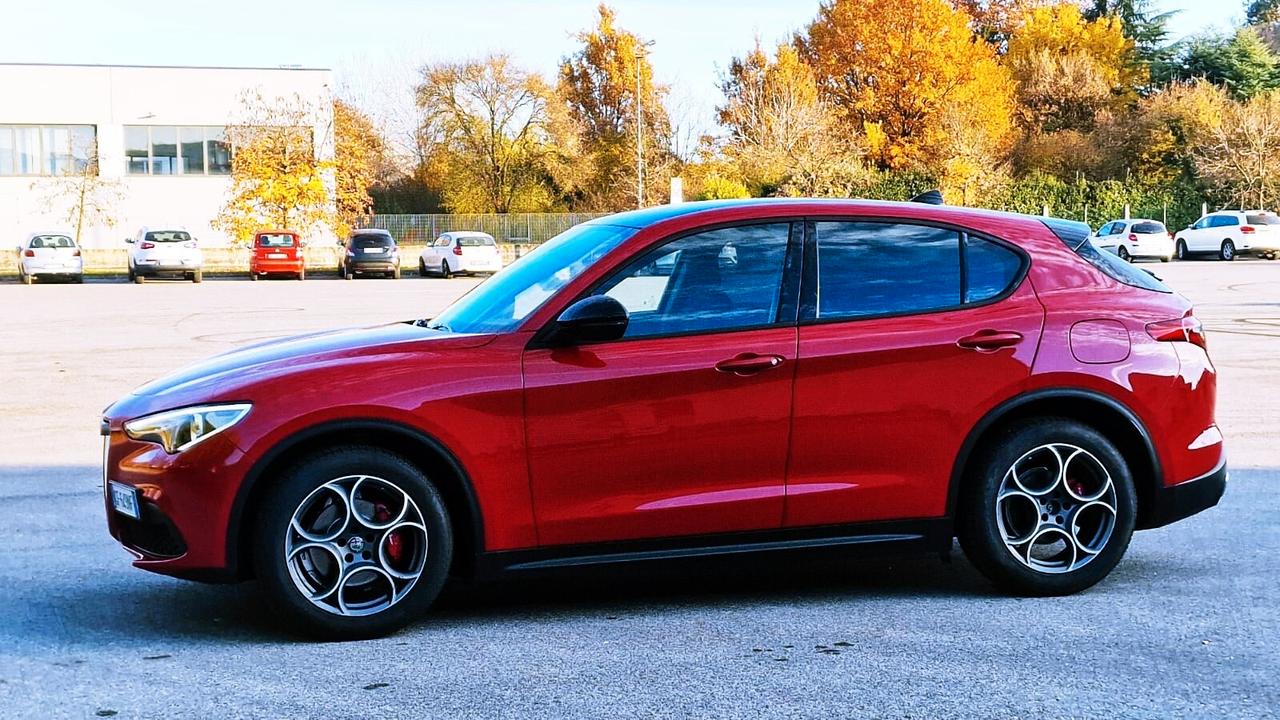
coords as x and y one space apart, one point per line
168 236
502 302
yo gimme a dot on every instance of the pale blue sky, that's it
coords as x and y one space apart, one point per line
364 41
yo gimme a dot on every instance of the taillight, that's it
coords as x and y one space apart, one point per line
147 245
29 253
1184 329
76 253
457 250
1247 229
1133 238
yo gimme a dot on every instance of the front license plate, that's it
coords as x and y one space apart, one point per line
124 500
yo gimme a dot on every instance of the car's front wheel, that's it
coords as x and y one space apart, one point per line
352 543
1181 251
1048 508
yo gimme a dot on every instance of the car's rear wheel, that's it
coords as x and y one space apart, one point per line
302 274
254 276
352 543
1048 508
139 278
24 277
1227 251
1123 252
197 276
396 275
445 272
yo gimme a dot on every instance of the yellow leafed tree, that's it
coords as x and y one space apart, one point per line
276 181
358 152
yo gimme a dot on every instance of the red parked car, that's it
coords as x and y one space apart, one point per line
697 379
277 252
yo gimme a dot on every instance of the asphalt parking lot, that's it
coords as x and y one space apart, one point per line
1187 625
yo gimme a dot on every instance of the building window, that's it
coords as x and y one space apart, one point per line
168 150
46 149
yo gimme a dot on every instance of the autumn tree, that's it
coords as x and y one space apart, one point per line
486 120
358 153
894 71
1239 155
782 137
598 86
276 180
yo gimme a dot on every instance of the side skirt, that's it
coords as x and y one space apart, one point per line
865 539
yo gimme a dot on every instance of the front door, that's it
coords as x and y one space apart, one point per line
911 334
680 427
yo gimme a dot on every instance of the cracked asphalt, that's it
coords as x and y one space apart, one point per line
1185 627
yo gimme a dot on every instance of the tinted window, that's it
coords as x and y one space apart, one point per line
1107 229
716 280
1148 228
372 240
51 241
1075 235
990 269
168 236
1262 219
473 241
880 268
1223 221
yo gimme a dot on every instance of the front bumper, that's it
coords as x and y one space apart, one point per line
1176 502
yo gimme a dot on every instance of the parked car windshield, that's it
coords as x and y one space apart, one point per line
168 236
275 240
502 302
1148 228
1262 219
51 241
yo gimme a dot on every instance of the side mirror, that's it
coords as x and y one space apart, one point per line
598 318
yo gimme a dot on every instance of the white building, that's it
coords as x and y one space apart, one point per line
160 134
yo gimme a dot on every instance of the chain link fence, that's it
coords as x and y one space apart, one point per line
509 228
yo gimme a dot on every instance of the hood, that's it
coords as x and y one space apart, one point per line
222 376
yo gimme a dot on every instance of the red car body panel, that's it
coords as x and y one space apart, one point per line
865 420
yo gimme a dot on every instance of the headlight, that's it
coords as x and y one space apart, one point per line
177 430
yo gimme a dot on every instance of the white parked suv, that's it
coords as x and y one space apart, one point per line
1228 233
460 252
156 252
1135 238
49 254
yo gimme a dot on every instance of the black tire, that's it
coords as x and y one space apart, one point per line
23 277
396 275
1228 251
979 527
445 272
348 273
197 276
131 273
79 279
422 267
254 276
1123 253
272 521
1181 251
139 278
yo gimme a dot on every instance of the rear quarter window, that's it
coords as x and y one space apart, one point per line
1075 235
991 269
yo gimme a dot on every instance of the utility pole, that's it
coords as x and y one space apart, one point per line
640 54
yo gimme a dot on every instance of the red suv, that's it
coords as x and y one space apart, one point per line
696 379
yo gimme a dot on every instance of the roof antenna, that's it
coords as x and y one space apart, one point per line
930 197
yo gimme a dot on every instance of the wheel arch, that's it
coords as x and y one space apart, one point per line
1112 418
426 452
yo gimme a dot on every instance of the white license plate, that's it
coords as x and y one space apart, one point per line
124 500
371 251
275 256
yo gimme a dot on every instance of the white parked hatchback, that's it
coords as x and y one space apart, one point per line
1228 233
460 252
155 252
49 254
1135 238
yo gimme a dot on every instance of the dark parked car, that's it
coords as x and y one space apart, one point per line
697 379
370 252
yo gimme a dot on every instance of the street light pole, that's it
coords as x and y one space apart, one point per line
640 53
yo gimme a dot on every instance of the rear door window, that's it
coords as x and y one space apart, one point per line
1223 221
867 269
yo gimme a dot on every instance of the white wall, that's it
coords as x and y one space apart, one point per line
112 97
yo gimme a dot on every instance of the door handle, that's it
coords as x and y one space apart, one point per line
990 340
744 364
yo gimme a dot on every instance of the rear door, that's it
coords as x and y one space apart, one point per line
909 333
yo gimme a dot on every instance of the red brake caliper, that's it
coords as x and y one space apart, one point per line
395 543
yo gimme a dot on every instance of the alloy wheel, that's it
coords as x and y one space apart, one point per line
356 545
1056 508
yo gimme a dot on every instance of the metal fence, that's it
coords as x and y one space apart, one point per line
516 228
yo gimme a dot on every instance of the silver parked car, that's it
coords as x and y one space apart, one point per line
49 254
